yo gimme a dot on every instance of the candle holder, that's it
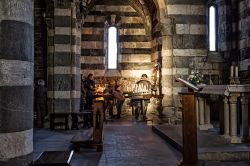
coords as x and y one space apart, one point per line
237 80
232 81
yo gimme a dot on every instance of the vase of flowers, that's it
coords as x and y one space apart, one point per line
196 77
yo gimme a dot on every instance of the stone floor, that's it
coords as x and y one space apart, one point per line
211 145
126 142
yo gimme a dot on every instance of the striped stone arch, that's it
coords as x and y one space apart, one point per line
145 8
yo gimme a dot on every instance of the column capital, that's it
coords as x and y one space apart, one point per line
233 98
244 98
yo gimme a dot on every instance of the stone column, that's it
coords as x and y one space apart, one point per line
245 122
233 119
226 117
207 114
202 113
16 82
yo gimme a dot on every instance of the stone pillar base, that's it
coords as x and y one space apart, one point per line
203 127
209 126
226 136
236 140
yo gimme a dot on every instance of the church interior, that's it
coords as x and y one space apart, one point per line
124 82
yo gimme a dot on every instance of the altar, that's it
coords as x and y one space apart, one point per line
235 101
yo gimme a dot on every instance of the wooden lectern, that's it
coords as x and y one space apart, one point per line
189 126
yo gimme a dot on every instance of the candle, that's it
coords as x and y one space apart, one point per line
236 71
232 71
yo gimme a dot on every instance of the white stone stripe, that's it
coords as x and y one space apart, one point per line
64 94
62 48
189 52
132 31
97 73
17 11
135 73
63 70
193 29
93 59
124 8
135 44
92 44
186 9
16 73
76 32
62 12
16 144
244 64
92 31
62 31
174 71
76 49
139 58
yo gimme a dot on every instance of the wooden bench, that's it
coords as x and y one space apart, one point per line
54 116
84 137
54 158
75 121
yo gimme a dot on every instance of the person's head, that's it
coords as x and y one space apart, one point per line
118 87
90 76
144 76
41 82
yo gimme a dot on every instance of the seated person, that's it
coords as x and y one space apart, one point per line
119 100
145 83
109 100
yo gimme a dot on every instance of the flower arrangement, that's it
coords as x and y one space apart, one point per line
196 77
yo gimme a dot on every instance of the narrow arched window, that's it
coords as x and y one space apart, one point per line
112 47
212 28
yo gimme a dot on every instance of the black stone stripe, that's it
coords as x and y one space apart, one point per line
92 52
188 19
62 82
59 59
92 66
62 21
18 161
108 13
75 103
62 105
136 50
17 40
156 34
76 79
245 54
93 24
245 13
16 107
93 37
70 82
185 2
134 38
189 42
136 66
62 39
113 3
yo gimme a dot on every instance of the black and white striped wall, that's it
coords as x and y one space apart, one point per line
134 42
16 82
64 59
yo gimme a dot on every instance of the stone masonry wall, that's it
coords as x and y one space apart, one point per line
134 43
